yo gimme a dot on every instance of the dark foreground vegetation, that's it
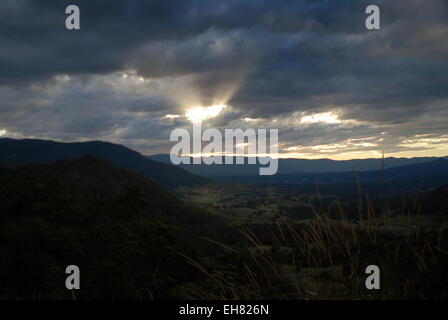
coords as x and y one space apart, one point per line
134 240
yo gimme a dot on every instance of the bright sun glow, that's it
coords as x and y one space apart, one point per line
2 132
199 114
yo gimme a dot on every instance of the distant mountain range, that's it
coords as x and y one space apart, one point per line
434 171
400 174
295 166
41 151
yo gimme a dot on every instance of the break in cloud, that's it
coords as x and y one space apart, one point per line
308 68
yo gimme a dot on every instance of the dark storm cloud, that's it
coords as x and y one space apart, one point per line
36 44
268 59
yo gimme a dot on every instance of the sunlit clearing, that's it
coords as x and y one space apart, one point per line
326 117
172 116
251 120
425 141
199 114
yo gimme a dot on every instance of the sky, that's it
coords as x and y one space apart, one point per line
136 70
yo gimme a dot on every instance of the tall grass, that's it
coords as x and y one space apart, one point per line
326 258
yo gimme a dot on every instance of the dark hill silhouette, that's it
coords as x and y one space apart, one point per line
91 178
42 151
116 225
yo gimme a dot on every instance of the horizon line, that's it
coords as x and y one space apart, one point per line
279 157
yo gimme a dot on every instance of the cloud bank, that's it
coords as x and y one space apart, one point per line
308 68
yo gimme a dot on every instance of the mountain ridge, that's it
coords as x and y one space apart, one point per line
25 151
297 166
